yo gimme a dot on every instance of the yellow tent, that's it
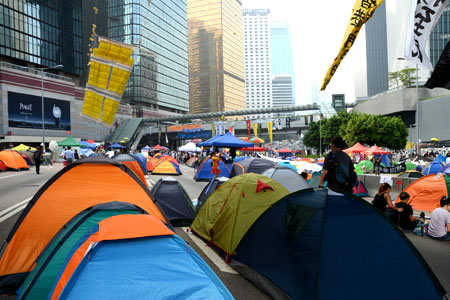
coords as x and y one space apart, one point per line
23 147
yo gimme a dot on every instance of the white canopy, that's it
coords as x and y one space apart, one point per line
189 147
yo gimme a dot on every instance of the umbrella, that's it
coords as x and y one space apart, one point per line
125 138
195 141
90 141
70 141
116 146
434 140
122 141
256 140
158 147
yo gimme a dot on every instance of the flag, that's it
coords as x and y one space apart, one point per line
159 136
230 129
361 13
269 129
441 74
423 17
213 128
255 129
248 128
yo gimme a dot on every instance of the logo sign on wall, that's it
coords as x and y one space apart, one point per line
25 111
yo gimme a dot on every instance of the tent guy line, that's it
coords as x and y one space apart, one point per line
12 210
220 263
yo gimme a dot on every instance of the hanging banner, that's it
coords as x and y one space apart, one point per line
230 130
269 129
441 74
394 169
159 136
361 13
255 129
248 129
220 128
423 16
213 129
167 139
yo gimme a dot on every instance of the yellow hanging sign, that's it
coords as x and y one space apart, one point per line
269 129
255 129
361 13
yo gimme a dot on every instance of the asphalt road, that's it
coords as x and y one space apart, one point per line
17 188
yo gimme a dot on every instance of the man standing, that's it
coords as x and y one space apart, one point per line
69 156
338 168
37 155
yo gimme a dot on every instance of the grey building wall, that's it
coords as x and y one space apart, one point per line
377 52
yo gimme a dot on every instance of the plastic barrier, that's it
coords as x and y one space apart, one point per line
372 183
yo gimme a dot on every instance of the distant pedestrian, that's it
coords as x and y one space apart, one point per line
69 156
377 165
37 156
76 156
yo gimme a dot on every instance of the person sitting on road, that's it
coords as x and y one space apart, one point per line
382 199
439 227
406 219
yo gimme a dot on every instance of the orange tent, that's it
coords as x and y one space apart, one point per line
131 162
114 228
83 184
13 160
426 192
157 155
169 158
152 163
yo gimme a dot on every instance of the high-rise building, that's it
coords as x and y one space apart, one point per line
440 36
282 92
42 34
159 80
338 102
216 55
281 51
258 69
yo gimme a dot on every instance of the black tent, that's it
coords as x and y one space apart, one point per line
174 201
251 165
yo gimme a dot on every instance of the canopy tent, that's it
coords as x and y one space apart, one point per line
23 147
70 142
356 148
375 150
190 147
254 149
208 143
298 249
229 140
116 146
146 149
158 147
88 145
285 152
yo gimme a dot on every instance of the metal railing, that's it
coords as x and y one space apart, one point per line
34 71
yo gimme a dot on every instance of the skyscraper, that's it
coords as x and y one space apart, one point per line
216 56
440 36
258 83
281 51
159 80
282 92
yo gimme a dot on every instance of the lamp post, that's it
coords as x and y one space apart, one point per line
42 98
320 133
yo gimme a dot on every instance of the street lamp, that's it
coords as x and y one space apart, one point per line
42 98
417 104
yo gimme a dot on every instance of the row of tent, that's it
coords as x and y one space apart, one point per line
94 231
163 164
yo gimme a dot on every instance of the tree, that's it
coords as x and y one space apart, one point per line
395 77
404 76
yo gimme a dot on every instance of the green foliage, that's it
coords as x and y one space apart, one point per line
367 129
404 76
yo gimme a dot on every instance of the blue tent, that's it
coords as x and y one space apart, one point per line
324 245
287 165
441 158
385 160
432 168
88 145
142 161
204 171
208 143
229 140
116 146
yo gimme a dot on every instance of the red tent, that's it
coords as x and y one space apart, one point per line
158 147
257 149
375 150
357 148
284 150
90 141
246 140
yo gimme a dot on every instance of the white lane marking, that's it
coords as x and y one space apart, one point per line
11 175
12 210
216 259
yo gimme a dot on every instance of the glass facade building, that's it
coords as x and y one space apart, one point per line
216 56
159 79
440 36
46 33
281 50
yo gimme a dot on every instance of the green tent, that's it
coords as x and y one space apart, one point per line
232 209
70 141
358 170
368 165
410 166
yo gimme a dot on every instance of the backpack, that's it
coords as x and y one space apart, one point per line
36 155
343 175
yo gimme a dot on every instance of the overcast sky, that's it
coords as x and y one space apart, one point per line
317 31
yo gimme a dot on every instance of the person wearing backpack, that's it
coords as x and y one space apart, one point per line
338 169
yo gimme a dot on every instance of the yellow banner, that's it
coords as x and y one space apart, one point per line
255 129
269 129
362 12
213 129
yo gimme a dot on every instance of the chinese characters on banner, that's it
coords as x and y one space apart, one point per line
248 128
220 128
255 129
361 13
269 129
423 17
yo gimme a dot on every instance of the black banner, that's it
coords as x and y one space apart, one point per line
394 169
441 74
25 111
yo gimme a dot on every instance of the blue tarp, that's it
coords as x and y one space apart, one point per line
162 267
229 140
327 244
116 146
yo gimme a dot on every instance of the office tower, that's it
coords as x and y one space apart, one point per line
216 56
159 80
258 82
440 36
338 102
282 92
43 33
281 51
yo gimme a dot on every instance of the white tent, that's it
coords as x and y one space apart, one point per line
189 147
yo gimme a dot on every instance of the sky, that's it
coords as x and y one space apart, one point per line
317 30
